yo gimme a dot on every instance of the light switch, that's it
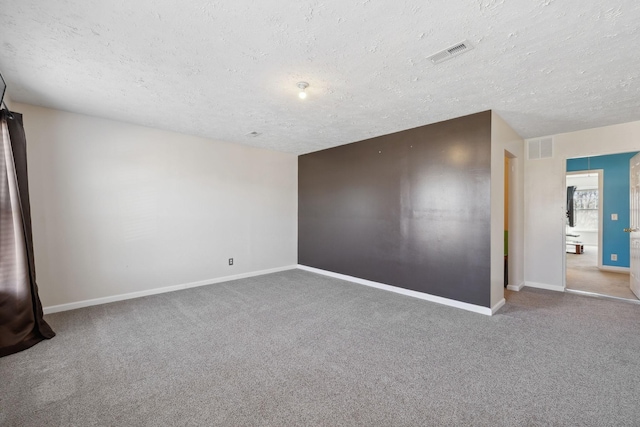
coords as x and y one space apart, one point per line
614 217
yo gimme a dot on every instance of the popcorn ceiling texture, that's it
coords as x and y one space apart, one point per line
222 69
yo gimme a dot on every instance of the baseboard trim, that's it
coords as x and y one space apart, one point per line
516 288
601 296
556 288
498 306
421 295
614 269
121 297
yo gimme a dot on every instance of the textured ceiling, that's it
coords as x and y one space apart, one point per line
222 69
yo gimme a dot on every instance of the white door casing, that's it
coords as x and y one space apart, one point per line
634 227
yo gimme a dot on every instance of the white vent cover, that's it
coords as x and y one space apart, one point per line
455 50
541 148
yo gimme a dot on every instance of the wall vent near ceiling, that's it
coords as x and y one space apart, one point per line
540 148
450 52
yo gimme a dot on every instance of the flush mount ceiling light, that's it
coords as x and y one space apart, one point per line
302 86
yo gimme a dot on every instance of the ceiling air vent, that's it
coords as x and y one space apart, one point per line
455 50
541 148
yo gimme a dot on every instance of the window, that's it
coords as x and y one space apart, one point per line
585 203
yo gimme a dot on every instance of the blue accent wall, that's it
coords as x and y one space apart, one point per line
616 200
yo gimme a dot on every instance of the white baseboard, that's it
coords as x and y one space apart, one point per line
557 288
498 306
131 295
428 297
516 288
614 269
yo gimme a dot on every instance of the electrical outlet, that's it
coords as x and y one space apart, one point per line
614 257
230 261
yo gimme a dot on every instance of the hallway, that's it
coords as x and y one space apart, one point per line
583 275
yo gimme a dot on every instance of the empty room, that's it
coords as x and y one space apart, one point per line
305 213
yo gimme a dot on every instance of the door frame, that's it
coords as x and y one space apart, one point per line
515 212
600 173
633 224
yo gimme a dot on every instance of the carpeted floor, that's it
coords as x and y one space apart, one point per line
295 348
583 274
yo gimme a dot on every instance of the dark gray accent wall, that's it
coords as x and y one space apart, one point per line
411 209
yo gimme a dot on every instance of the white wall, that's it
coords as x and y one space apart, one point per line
545 196
504 138
583 181
7 100
118 208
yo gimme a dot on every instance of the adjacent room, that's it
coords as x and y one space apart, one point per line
598 231
287 213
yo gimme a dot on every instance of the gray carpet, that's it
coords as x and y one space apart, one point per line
295 348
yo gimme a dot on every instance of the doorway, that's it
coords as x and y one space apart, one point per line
584 215
597 255
512 237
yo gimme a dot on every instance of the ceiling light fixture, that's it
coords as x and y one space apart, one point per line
303 86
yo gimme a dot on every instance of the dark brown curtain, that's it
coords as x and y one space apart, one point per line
21 321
